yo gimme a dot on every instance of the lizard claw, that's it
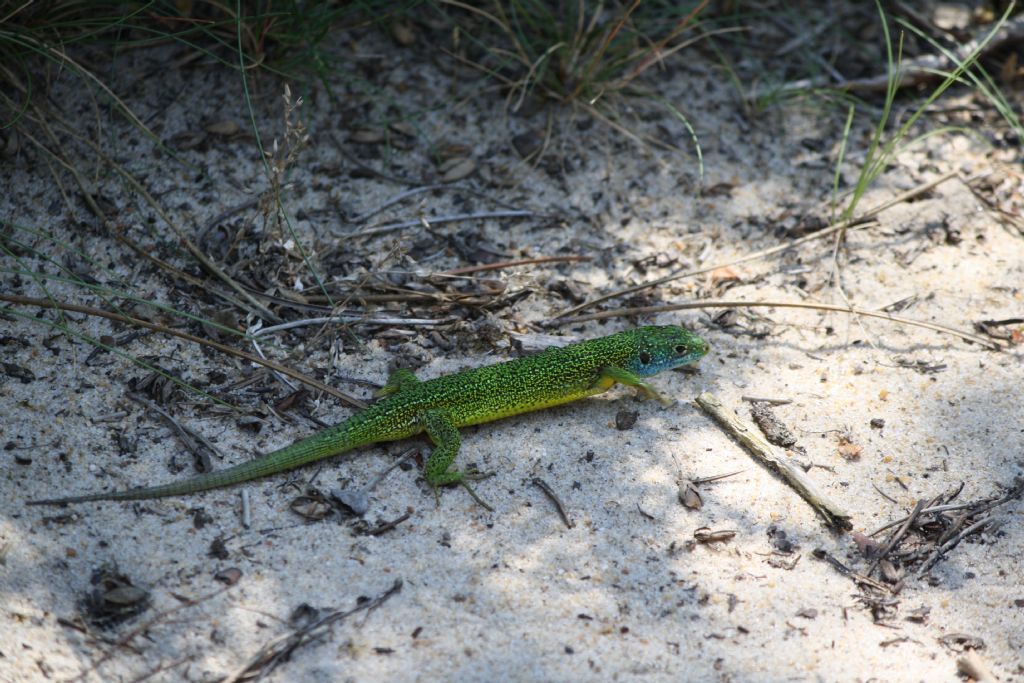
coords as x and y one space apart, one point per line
470 490
473 474
462 479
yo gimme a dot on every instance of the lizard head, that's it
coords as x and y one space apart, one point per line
660 348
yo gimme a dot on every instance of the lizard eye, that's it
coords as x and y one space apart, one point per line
645 357
680 349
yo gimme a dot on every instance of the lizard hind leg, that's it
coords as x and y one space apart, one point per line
399 379
623 376
442 431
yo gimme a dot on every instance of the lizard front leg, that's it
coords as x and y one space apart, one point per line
614 374
441 429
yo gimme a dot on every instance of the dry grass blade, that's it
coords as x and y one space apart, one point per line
838 227
515 264
655 54
61 56
646 310
42 120
88 310
185 240
929 67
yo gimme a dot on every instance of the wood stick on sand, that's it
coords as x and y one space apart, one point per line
767 455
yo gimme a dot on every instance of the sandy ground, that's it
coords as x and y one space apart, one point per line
626 593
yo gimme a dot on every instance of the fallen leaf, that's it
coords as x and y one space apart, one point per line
848 449
723 274
456 169
403 128
866 546
706 535
689 496
403 34
367 136
224 128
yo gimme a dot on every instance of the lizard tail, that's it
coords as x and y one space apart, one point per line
322 445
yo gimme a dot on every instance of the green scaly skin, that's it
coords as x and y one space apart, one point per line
441 406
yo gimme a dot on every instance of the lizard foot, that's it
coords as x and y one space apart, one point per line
462 479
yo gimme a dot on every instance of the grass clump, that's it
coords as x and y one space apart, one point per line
574 51
884 146
585 55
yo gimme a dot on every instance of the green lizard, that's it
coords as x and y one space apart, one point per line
439 407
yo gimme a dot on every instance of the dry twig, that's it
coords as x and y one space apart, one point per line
146 626
559 505
268 657
747 435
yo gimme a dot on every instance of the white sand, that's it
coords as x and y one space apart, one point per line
515 594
